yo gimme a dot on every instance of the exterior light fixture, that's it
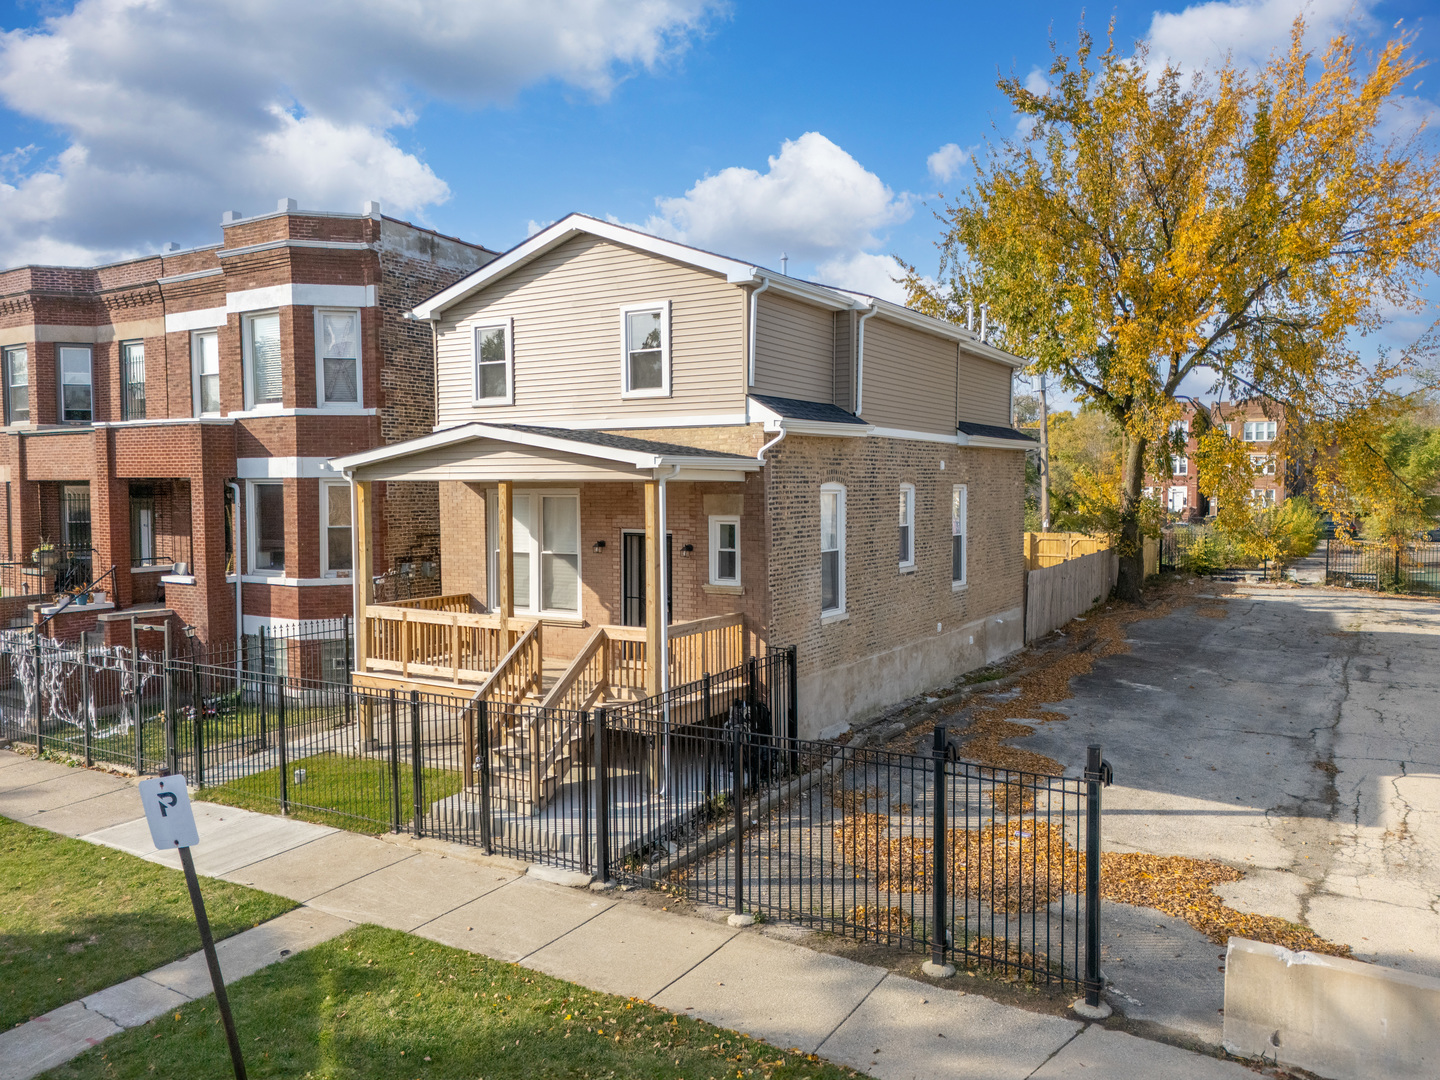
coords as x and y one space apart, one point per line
687 550
598 546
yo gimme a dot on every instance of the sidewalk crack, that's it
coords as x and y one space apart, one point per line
1059 1048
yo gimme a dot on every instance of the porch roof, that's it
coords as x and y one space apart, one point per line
493 452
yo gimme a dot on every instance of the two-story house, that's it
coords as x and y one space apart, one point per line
172 417
829 471
1255 423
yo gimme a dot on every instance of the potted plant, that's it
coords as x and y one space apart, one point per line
44 555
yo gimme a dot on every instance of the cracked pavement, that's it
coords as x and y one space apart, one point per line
1295 736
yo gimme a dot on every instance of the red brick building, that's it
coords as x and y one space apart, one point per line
1248 422
142 397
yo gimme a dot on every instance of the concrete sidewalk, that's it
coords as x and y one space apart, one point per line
748 980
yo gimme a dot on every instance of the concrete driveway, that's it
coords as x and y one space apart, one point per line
1293 732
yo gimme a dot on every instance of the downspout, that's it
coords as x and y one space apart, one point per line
773 442
754 322
664 605
860 357
234 486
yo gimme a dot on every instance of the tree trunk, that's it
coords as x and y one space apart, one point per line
1044 460
1131 548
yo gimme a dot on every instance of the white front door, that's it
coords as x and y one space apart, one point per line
1177 499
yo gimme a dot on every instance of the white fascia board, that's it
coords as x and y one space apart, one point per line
812 293
704 463
573 225
285 468
199 319
918 436
476 430
826 430
300 295
986 442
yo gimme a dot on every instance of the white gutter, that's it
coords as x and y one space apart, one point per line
754 324
773 442
860 356
234 486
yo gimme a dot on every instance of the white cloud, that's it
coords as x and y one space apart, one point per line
866 273
1248 30
174 111
946 162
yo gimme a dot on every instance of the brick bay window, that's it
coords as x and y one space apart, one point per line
205 368
494 363
132 377
959 496
267 527
77 395
725 551
335 551
337 365
261 338
17 385
832 549
907 526
645 363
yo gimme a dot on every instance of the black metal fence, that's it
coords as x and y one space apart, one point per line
706 791
1400 568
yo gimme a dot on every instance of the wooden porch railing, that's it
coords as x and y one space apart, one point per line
706 645
520 672
459 647
460 603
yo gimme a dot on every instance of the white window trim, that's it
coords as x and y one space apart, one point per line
908 492
320 402
6 359
1179 465
835 613
247 366
663 306
195 371
1266 434
326 486
252 531
964 579
492 513
508 325
716 521
60 380
1170 499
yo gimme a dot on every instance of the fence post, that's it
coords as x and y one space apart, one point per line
792 723
172 749
750 664
264 695
1398 586
482 712
85 695
416 775
1092 875
394 762
602 800
737 796
1326 580
709 743
197 697
135 702
586 750
937 967
280 734
349 697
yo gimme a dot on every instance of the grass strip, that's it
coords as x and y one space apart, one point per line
352 793
76 918
377 1002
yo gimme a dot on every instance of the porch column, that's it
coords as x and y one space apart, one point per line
505 556
364 568
654 602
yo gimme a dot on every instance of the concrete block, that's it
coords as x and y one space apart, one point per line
512 922
572 879
134 1001
1115 1055
1340 1018
50 1040
406 894
304 872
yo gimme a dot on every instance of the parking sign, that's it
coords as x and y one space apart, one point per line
167 810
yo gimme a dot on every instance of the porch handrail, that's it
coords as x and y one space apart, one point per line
521 670
588 675
705 645
454 602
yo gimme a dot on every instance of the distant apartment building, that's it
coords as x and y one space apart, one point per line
172 417
1248 422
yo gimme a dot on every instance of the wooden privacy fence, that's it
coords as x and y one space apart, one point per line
1052 549
1056 594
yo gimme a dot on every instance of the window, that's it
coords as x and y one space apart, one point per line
17 386
77 399
142 526
335 550
1179 466
1259 431
959 510
75 519
132 378
337 336
646 362
1264 464
832 549
724 551
267 528
546 541
205 362
493 364
907 526
1263 496
262 359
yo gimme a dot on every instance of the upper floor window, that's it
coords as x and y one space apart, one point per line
646 361
1264 464
77 394
1263 496
959 497
205 362
724 551
337 334
1180 466
832 549
132 375
17 385
907 526
493 365
262 359
1259 431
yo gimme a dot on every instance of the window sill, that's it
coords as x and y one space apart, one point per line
834 617
159 568
959 586
178 579
907 568
722 590
626 395
491 403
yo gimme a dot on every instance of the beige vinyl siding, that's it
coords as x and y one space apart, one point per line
844 360
566 310
984 391
794 349
909 378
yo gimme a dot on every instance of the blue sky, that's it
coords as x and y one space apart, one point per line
752 128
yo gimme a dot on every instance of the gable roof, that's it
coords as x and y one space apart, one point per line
734 271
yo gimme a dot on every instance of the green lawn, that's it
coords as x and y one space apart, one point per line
379 1003
346 792
76 917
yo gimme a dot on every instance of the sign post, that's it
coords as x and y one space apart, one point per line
172 827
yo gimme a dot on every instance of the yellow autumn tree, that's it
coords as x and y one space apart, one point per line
1152 224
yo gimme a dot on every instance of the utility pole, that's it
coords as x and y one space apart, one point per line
1044 459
